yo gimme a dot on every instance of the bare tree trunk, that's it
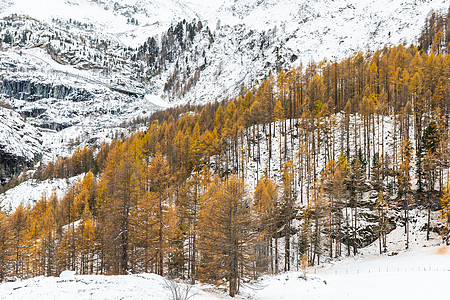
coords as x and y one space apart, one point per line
271 255
355 249
276 255
429 216
160 239
407 220
287 246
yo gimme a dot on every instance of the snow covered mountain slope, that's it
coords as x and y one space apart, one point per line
82 71
133 21
31 191
330 29
349 24
249 38
20 143
68 108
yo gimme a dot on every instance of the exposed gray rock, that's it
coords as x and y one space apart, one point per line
20 144
31 90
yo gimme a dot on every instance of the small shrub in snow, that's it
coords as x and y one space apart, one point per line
179 291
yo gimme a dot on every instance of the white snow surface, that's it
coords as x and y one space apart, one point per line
423 273
84 287
30 191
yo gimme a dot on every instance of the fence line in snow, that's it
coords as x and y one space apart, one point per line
381 270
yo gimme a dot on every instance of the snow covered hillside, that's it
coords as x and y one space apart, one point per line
30 191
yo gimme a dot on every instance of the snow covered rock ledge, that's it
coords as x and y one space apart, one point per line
20 143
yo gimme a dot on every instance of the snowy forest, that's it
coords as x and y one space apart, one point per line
312 163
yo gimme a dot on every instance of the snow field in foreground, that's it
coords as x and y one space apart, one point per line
83 287
419 274
422 273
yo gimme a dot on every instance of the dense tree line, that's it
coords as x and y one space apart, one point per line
211 192
435 35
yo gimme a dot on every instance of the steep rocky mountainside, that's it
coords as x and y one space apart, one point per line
84 71
20 143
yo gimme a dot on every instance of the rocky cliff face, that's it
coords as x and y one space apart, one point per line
10 164
32 90
20 144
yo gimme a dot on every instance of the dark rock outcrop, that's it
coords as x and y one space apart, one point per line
31 90
20 144
11 164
